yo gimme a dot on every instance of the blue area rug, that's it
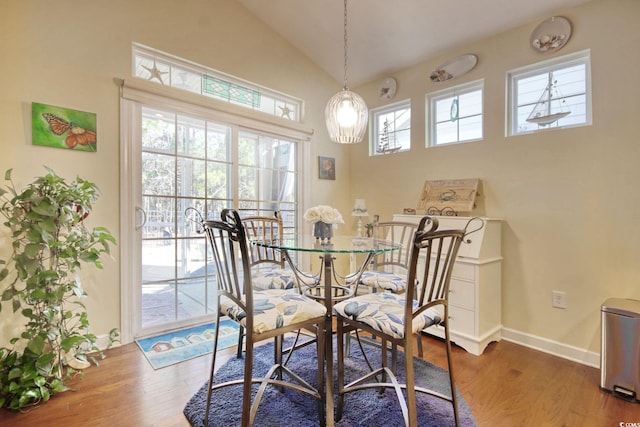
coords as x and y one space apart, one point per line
289 408
184 344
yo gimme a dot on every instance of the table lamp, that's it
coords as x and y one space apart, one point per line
359 210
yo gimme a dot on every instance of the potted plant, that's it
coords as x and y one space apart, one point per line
40 281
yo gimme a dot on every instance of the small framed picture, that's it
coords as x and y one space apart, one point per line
326 167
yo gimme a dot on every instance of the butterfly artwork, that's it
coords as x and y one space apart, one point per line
63 128
75 134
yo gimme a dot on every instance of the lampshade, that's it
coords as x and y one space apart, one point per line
360 208
346 112
346 116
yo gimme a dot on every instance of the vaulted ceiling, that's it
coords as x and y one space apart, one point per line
388 35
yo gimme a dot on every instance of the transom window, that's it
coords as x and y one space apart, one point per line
390 129
165 69
550 94
455 114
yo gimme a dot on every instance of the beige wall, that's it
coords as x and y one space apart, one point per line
569 198
68 55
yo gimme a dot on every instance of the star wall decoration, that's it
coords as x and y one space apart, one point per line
155 73
286 112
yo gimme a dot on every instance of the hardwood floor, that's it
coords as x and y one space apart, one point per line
509 385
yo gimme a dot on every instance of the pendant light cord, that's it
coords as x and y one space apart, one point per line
345 45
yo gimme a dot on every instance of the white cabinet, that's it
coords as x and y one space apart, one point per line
475 300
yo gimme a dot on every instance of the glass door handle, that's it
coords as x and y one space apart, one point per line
143 216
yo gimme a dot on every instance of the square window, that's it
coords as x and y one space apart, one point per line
551 94
390 129
455 114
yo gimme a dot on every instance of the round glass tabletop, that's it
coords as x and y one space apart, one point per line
337 244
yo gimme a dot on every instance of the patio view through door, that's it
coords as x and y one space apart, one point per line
195 161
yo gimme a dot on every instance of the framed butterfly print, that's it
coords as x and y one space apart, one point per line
61 127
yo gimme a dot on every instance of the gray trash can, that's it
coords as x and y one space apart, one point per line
620 353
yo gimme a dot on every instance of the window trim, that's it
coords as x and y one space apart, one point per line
566 61
430 111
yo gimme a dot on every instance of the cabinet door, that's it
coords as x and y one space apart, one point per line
462 294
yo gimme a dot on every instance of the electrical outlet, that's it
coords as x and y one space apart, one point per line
559 299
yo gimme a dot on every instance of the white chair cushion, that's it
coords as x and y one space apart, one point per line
274 308
392 282
384 312
279 278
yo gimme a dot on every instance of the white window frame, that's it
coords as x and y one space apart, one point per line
375 131
432 100
582 109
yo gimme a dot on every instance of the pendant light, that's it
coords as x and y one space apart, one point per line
346 112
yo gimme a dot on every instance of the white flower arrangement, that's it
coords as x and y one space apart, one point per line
323 213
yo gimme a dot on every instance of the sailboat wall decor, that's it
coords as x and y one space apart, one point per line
388 144
550 106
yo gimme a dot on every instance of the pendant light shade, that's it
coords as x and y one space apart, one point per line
347 116
346 112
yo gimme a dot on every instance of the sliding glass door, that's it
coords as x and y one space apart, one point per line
185 161
193 161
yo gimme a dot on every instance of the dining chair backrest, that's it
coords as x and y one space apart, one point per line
229 247
395 231
433 256
264 228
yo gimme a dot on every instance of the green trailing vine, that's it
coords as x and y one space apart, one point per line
40 282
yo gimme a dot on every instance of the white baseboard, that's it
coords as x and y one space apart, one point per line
555 348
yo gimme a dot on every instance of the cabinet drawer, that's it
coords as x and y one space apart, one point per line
462 294
460 270
464 271
462 321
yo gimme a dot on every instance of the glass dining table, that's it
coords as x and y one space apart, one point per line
333 286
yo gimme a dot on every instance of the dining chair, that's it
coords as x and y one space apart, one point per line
388 270
264 314
397 318
268 269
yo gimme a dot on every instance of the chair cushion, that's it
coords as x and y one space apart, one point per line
274 308
279 278
384 312
386 280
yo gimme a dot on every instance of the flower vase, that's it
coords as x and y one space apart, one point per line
323 231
